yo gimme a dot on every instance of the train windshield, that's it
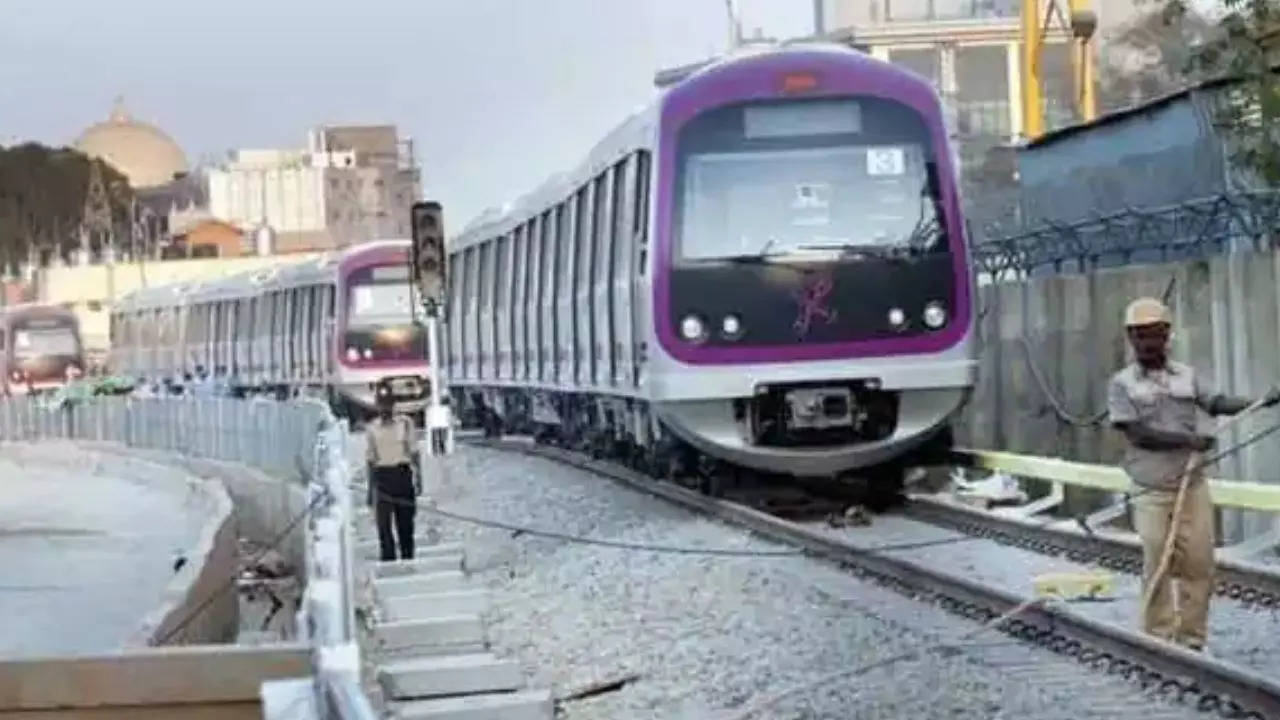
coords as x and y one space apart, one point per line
798 177
380 323
45 338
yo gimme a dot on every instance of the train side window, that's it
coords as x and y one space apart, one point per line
2 340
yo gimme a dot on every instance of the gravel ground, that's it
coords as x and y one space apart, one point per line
709 634
1238 634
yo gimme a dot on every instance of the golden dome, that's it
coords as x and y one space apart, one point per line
144 153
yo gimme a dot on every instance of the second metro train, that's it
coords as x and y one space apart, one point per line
341 323
765 268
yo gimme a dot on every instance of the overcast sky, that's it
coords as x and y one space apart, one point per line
497 94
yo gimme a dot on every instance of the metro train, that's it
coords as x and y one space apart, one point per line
765 269
341 323
40 348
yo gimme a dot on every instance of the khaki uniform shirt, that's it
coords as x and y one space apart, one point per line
388 444
1167 399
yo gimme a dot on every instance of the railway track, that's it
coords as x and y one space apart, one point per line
1252 585
1210 684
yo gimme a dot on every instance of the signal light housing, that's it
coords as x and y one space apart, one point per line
426 255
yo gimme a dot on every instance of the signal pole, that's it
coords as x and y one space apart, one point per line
428 270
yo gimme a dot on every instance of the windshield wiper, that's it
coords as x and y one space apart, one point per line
752 258
881 252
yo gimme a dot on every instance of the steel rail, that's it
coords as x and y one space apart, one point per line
1230 690
1253 586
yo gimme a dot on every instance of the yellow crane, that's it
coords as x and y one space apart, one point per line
1081 20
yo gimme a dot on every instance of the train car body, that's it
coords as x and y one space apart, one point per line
341 323
766 267
40 348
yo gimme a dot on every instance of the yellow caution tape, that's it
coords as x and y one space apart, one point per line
1074 585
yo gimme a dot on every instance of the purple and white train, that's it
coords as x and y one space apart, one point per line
765 268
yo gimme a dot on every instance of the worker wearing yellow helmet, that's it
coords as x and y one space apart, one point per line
1155 402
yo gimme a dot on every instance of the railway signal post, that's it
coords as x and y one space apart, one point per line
428 275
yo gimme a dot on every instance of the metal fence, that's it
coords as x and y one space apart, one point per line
297 441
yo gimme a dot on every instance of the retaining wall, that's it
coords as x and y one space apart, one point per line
1070 329
210 682
262 507
190 610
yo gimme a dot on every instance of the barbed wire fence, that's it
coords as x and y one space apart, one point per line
1194 228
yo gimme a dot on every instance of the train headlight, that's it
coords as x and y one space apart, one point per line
897 318
731 326
368 353
353 354
935 315
692 329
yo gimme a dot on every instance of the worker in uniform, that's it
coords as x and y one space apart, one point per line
1154 402
393 483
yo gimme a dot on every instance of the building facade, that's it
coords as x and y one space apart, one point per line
349 185
971 50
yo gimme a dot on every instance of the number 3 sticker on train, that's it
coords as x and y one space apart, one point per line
885 161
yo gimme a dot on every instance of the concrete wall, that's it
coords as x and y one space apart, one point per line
198 607
263 505
1227 326
191 609
208 683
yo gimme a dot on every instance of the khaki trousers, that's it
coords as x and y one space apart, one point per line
1179 610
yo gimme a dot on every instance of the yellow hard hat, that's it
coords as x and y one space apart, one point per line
1146 311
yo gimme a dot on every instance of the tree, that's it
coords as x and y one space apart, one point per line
42 192
1151 55
1243 51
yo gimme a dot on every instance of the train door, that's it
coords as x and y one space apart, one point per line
284 335
501 301
307 329
582 289
600 321
528 301
565 328
474 293
467 331
520 328
546 297
262 339
484 365
640 298
452 312
243 340
516 301
534 305
620 273
275 362
328 334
